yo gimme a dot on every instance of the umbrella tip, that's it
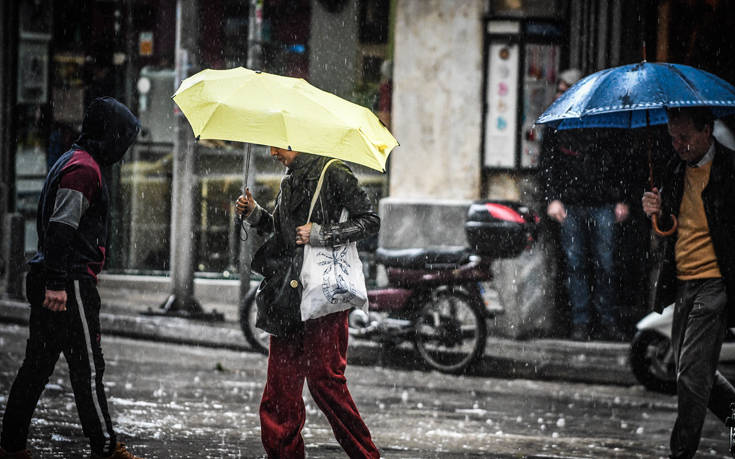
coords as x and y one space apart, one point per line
289 148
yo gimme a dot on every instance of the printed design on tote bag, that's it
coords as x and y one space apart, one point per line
335 275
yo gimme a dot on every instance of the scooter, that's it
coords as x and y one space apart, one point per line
438 298
651 354
730 424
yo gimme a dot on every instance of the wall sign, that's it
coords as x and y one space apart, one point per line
145 44
502 102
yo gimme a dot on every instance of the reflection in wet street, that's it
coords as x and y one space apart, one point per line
182 401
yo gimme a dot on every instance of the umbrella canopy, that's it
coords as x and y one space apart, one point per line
637 95
257 107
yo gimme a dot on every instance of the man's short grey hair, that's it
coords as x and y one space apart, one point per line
570 76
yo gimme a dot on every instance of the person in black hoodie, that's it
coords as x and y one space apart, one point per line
61 284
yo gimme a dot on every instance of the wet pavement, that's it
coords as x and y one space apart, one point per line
180 401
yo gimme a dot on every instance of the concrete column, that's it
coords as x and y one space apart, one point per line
437 118
437 99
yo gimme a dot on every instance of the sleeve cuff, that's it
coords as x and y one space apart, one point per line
55 284
255 215
315 238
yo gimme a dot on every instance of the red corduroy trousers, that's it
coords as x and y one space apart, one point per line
318 355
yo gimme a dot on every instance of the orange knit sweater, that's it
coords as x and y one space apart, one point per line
695 254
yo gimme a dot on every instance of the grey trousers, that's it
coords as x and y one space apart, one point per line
700 322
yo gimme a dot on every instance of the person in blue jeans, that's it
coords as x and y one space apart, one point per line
584 190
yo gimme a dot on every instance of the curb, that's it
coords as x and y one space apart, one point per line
155 328
548 359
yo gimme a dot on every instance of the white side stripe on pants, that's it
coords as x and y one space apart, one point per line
92 368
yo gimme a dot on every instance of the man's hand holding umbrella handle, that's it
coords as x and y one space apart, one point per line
245 204
55 300
651 202
652 207
557 211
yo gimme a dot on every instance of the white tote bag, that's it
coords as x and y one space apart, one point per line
331 277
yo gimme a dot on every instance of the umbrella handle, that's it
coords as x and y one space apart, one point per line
669 232
654 217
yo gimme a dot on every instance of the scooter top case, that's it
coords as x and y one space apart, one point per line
500 229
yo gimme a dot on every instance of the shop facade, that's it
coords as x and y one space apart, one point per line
60 55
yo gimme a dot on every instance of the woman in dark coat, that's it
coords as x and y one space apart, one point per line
314 350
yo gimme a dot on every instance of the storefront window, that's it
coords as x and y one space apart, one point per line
32 112
141 239
66 61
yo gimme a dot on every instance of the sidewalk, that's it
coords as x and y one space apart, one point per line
553 359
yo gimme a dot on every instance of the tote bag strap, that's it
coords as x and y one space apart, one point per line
318 189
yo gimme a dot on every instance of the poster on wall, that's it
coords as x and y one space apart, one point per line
502 102
539 88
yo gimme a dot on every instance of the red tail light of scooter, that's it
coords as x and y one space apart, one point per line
500 229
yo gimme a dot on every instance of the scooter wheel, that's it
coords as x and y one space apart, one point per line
257 338
451 332
652 361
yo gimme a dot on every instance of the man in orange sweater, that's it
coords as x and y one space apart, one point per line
696 268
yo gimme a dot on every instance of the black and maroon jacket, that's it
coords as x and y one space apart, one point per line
73 209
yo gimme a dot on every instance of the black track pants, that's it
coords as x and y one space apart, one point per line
76 333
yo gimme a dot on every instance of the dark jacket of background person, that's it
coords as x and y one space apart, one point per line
718 198
72 245
578 167
339 190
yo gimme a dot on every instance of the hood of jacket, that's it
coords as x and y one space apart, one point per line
108 130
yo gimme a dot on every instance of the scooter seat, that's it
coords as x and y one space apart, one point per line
448 257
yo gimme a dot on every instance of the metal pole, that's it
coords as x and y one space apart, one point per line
246 244
182 302
130 50
255 26
254 61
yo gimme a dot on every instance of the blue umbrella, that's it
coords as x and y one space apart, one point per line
637 95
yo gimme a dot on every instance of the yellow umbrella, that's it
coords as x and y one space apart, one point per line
257 107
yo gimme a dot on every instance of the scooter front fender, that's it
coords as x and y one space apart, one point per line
659 322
